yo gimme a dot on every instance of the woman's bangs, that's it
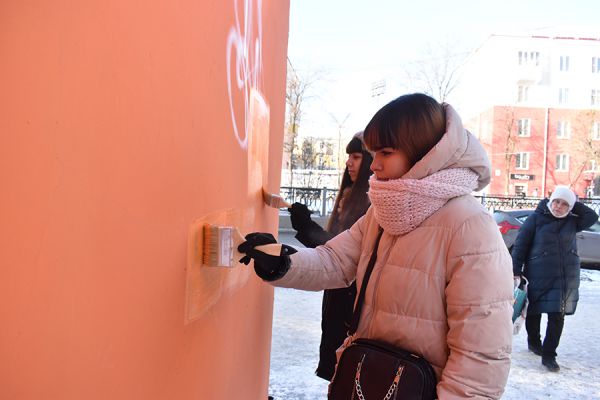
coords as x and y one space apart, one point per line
379 135
354 146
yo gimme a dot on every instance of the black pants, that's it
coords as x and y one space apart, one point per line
554 329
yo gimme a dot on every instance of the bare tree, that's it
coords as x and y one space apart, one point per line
297 92
436 72
509 123
584 149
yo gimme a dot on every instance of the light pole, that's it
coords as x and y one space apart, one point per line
340 126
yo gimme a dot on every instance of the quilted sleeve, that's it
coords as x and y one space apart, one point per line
479 300
332 265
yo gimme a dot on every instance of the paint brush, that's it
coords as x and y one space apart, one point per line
220 246
274 200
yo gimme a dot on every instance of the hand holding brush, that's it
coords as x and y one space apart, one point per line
220 246
267 266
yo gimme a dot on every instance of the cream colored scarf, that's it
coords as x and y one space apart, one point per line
401 205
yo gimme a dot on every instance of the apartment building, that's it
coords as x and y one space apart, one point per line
534 102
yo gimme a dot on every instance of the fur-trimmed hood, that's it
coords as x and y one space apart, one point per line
458 148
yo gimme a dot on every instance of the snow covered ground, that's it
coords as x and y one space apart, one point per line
297 330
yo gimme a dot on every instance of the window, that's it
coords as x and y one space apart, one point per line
564 63
523 93
563 130
522 161
595 131
529 58
563 95
595 97
562 162
595 65
524 127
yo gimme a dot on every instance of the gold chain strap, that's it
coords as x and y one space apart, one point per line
391 391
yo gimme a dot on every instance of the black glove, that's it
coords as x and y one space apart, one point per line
266 266
300 217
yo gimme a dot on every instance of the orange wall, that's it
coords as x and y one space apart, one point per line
116 139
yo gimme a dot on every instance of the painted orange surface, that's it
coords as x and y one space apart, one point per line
123 125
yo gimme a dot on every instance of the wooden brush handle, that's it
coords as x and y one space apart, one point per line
281 203
273 249
275 200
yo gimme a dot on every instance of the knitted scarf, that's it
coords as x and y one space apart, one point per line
401 205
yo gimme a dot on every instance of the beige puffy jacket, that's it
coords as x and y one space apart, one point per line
443 290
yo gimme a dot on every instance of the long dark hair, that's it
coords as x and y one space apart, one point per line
356 201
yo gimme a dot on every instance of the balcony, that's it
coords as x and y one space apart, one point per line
529 74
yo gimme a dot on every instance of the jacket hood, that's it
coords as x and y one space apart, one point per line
542 207
457 148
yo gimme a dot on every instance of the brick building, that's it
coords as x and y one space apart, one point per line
534 102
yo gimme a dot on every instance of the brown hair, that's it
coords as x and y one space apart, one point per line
412 123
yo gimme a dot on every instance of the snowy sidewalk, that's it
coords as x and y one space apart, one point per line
297 330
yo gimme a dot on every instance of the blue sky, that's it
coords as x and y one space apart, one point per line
353 43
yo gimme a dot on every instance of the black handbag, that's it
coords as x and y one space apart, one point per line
373 370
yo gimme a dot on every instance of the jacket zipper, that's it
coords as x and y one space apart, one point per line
562 272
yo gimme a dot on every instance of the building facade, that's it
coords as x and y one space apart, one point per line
534 102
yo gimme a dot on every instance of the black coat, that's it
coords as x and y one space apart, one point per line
337 308
545 252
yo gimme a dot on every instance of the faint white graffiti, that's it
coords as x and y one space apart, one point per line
245 40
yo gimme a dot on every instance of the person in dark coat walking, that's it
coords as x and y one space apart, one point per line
351 203
545 252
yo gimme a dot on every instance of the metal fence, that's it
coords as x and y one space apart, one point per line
321 201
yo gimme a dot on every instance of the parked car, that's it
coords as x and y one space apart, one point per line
588 241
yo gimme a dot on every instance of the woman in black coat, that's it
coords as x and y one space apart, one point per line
351 203
545 252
